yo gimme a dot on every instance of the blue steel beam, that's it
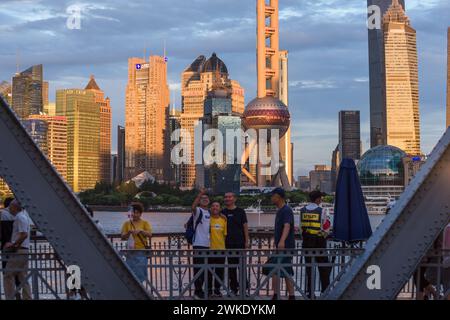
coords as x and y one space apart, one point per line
405 235
58 213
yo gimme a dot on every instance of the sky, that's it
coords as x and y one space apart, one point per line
326 40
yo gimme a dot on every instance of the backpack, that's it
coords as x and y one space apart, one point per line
191 229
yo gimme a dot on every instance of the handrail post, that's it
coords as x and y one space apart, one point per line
242 274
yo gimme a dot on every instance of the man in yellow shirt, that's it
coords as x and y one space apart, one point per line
140 232
217 237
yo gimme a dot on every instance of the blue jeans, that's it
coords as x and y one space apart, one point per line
138 263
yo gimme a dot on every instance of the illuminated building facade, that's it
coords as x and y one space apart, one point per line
105 129
6 91
402 81
83 136
53 142
27 92
45 93
196 81
377 77
146 112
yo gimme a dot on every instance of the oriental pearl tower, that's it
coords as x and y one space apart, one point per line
267 111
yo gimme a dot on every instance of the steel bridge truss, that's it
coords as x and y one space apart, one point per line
58 213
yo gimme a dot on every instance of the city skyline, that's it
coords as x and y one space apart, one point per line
315 85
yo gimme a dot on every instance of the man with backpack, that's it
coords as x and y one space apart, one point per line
198 234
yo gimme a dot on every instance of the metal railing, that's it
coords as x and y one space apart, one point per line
171 272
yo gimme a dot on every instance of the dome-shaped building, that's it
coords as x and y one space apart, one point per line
267 113
213 64
382 166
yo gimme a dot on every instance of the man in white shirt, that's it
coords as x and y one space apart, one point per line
201 241
17 265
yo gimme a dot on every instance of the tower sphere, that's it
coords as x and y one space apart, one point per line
267 113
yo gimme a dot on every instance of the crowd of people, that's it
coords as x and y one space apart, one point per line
219 228
213 227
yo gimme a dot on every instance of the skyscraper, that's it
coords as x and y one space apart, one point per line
174 124
37 129
196 81
120 174
27 92
6 91
320 179
223 175
377 78
52 141
448 77
349 135
272 69
44 93
146 110
401 80
105 129
83 136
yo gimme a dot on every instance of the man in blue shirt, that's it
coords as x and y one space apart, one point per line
284 239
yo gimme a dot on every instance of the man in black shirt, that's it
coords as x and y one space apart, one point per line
237 237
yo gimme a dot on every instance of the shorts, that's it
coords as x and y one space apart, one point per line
285 269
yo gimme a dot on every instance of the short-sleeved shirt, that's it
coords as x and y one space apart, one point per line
6 226
236 219
21 225
202 233
218 233
285 216
140 241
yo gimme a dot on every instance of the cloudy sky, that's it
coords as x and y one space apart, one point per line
327 41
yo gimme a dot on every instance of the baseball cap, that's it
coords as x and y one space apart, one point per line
279 191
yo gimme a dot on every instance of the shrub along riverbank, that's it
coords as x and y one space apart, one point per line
155 194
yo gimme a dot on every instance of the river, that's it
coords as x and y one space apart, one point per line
111 222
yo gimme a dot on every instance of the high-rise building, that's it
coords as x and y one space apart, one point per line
45 93
105 129
37 129
401 80
196 81
272 69
320 179
377 77
50 132
349 135
412 166
335 165
303 183
114 169
50 109
174 124
83 136
223 174
27 92
146 110
448 77
120 174
4 190
6 91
